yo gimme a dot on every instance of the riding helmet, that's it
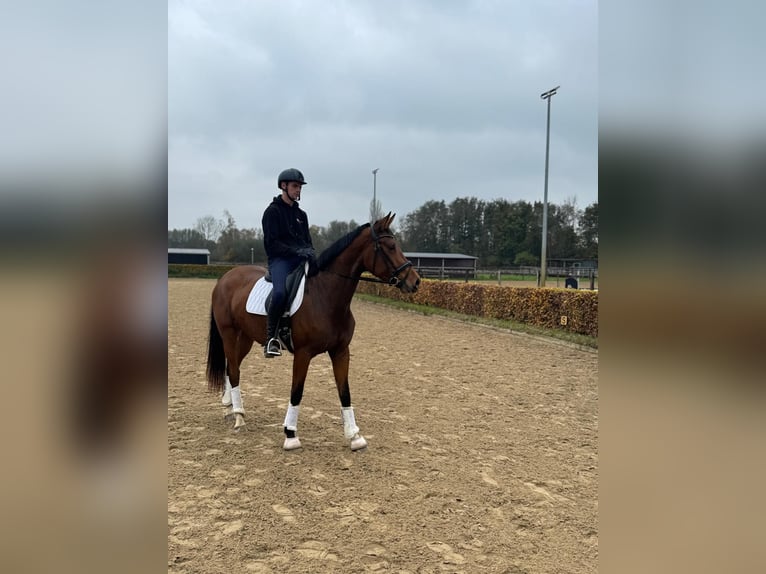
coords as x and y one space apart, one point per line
290 174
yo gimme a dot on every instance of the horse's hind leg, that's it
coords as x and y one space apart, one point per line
243 346
236 347
340 362
244 349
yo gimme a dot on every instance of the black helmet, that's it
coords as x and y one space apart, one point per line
291 174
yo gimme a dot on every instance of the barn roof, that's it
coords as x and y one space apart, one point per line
189 251
423 255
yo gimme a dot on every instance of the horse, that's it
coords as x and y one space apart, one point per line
322 324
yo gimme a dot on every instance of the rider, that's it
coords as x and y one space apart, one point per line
288 243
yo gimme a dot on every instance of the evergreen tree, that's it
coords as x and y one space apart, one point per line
589 232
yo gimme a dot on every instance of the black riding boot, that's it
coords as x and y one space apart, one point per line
272 346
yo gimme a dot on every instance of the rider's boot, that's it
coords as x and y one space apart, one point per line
272 346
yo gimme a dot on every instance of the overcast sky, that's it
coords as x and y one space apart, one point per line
442 96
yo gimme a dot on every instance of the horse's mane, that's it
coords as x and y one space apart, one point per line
328 255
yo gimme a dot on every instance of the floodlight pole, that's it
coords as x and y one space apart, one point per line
544 255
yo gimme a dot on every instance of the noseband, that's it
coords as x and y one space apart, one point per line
394 279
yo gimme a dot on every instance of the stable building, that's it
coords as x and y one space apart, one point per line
443 265
184 256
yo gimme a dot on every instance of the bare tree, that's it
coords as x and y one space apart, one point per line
210 227
376 211
570 213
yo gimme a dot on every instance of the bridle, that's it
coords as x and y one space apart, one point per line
394 280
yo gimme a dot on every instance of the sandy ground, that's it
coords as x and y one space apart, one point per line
482 453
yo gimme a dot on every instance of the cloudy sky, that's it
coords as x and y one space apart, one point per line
442 96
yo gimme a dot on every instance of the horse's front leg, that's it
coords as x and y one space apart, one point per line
340 361
226 397
300 369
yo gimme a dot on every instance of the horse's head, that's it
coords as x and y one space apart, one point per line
385 259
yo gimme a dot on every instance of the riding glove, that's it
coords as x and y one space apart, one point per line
306 252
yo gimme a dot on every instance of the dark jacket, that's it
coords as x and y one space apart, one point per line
285 229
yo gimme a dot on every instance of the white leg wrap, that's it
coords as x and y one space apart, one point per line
291 418
226 398
349 423
236 401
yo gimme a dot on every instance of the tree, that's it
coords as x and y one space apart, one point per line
589 232
518 232
525 258
322 237
189 239
427 228
498 232
495 242
209 227
317 234
240 245
466 217
250 244
562 237
376 210
533 242
337 229
228 240
569 212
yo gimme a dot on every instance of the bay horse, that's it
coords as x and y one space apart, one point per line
323 323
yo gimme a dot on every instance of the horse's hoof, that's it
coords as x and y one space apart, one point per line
292 443
239 421
358 442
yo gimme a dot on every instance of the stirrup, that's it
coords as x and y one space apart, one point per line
272 348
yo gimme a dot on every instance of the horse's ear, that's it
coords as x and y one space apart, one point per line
387 220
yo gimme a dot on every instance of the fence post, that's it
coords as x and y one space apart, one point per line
592 286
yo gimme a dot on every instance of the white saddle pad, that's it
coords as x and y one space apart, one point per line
256 301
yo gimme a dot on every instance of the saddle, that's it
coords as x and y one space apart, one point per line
292 286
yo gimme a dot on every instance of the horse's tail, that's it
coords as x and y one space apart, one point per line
216 359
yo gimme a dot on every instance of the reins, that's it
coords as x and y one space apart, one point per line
360 278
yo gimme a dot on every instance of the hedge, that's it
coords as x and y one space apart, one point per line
201 271
566 309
